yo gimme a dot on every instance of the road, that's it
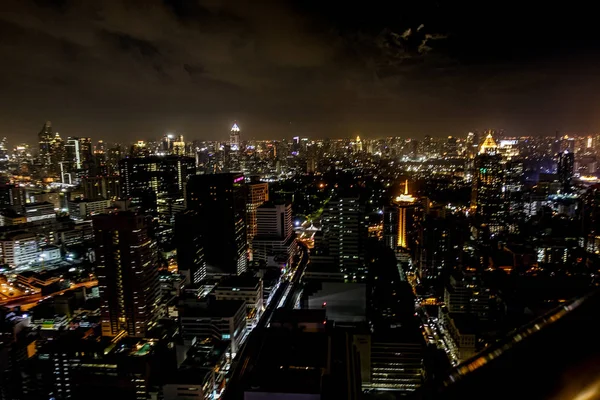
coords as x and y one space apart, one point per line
28 302
242 366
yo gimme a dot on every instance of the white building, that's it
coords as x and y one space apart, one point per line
19 248
275 240
246 288
83 208
50 253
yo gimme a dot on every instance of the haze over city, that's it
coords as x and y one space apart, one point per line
118 69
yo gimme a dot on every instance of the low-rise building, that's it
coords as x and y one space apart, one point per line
461 330
50 253
219 319
19 248
80 209
243 287
39 212
79 233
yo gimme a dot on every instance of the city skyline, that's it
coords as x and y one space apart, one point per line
290 69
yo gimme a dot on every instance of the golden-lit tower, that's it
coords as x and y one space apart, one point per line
489 145
358 144
403 202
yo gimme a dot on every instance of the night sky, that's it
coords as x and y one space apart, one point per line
126 70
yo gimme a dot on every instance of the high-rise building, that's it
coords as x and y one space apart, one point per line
390 226
471 144
3 151
189 242
167 143
220 199
45 139
234 138
127 269
258 193
358 146
57 153
344 232
487 196
101 187
179 146
73 153
565 169
434 249
146 178
275 241
404 203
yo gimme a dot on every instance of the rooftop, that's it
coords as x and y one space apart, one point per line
290 362
214 309
240 281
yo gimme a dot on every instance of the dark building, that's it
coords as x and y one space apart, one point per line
565 168
189 242
101 187
220 200
76 366
146 178
12 196
127 269
390 226
434 249
45 139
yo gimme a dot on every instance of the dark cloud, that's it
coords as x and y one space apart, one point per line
117 69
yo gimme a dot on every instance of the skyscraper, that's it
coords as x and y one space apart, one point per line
234 138
189 242
565 169
344 232
275 241
390 226
127 269
73 153
179 146
487 196
45 139
146 178
220 199
57 153
258 193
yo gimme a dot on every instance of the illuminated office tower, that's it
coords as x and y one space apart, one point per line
487 195
275 241
358 146
179 146
258 193
146 179
73 153
45 138
127 269
344 233
234 138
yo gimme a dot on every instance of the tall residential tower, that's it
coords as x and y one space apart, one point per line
127 269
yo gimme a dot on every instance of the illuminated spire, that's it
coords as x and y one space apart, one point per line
489 145
235 128
406 187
